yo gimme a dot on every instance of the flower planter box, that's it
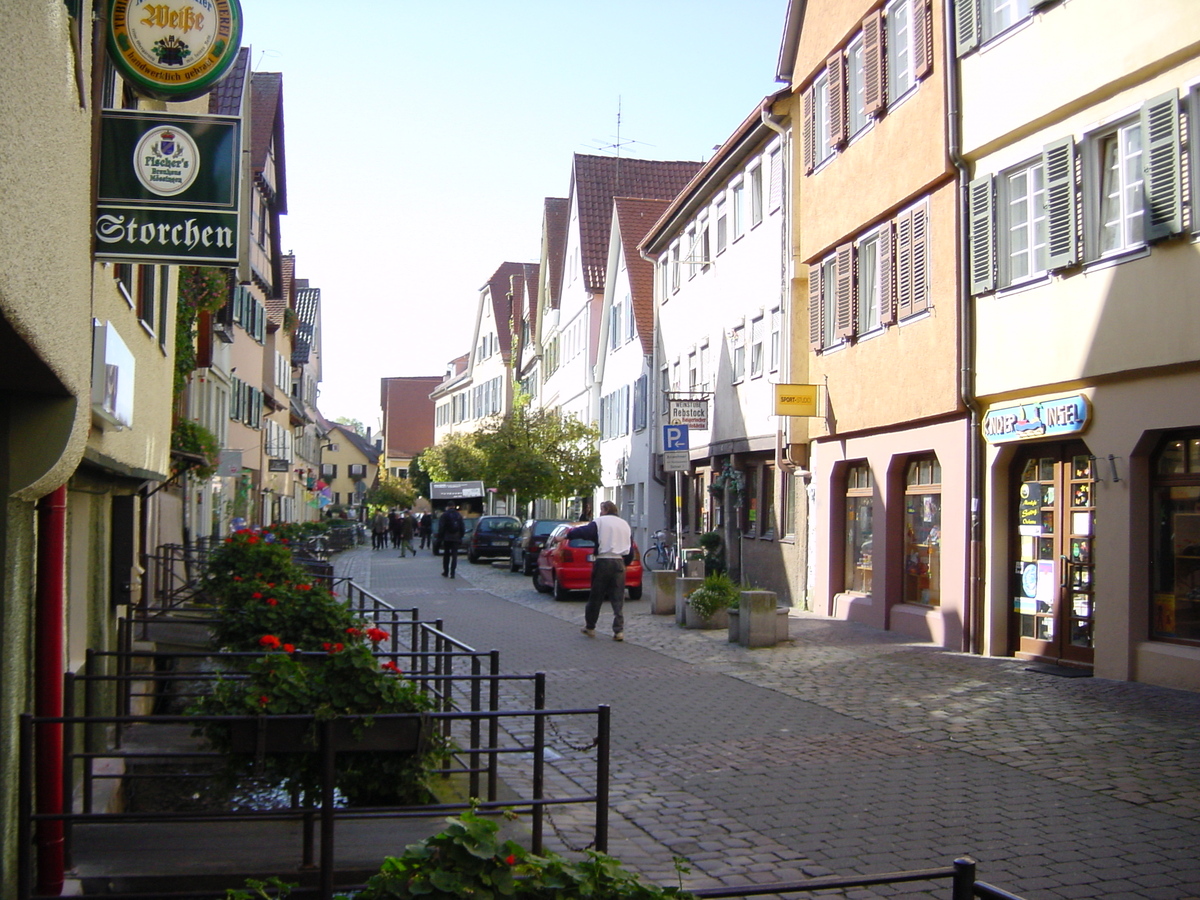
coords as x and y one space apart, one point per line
692 619
268 734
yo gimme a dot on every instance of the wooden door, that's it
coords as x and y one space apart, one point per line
1054 547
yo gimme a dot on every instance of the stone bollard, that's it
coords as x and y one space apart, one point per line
683 587
757 616
662 593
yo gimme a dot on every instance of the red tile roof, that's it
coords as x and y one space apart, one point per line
500 285
596 180
634 218
225 99
266 122
554 238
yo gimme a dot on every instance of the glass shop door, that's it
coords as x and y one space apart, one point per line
1054 587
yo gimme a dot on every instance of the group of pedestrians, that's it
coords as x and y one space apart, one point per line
400 528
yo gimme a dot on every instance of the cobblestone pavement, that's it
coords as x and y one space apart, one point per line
847 750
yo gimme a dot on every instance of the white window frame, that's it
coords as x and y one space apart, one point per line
737 191
776 348
998 16
829 302
757 347
856 111
756 194
1127 193
869 281
722 215
822 149
737 353
898 27
1023 248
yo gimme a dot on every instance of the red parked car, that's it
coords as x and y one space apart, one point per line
566 565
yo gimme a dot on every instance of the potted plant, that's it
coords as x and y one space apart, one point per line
708 605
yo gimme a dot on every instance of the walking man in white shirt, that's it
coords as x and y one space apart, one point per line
613 542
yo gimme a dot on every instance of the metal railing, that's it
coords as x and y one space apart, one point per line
501 742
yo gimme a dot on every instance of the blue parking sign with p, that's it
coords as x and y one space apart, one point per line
675 437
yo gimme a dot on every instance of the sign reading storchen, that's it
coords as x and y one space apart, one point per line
176 50
168 188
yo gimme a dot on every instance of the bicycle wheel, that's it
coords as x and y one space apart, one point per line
653 560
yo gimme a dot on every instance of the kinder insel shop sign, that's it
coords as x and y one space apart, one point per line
174 51
1046 418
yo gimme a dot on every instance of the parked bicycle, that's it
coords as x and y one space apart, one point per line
663 555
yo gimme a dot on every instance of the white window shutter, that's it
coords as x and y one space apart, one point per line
981 194
1061 237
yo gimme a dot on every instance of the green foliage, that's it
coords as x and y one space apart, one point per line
467 860
268 603
718 592
540 454
201 289
456 458
419 478
192 437
257 889
398 493
353 424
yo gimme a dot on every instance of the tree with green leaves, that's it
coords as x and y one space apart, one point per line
539 454
353 424
457 458
392 493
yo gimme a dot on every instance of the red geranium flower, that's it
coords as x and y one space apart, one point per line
271 601
264 700
375 635
304 587
256 595
353 632
289 648
333 648
391 666
270 641
510 859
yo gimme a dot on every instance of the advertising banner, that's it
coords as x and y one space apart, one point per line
168 189
692 413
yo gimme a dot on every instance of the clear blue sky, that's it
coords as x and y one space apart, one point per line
422 137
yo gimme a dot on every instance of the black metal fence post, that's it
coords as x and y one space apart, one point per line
602 747
964 879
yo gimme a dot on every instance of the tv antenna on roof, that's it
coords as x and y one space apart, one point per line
617 142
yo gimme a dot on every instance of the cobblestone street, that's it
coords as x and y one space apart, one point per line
847 750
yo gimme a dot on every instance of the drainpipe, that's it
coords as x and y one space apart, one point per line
973 594
48 685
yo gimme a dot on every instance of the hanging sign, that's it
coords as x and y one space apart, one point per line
797 400
168 188
692 413
1047 418
174 51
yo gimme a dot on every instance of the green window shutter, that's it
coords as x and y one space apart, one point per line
1162 187
1061 233
966 26
981 219
844 292
814 306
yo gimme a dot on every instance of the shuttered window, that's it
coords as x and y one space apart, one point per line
873 84
844 293
912 261
838 124
1163 184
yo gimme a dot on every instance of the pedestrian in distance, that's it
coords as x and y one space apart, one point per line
379 531
394 527
613 540
406 528
452 531
425 529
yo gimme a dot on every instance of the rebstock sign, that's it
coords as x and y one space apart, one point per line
168 189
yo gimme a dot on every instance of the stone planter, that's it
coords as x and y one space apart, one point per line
693 619
683 587
662 593
735 625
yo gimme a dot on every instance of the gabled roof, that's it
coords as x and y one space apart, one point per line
360 443
266 124
554 234
596 180
744 141
225 99
499 287
634 218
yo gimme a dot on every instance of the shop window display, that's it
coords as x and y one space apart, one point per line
923 532
1175 570
860 528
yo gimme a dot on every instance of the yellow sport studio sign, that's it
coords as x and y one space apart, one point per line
798 400
176 50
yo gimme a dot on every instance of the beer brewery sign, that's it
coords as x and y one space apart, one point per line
176 50
168 189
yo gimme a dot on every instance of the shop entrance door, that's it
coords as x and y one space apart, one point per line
1055 514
